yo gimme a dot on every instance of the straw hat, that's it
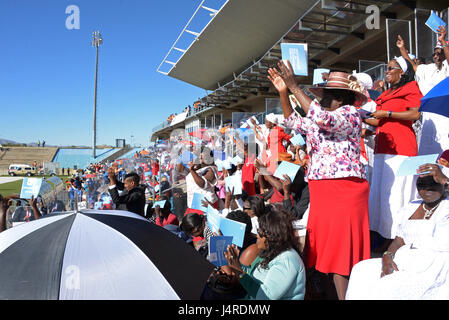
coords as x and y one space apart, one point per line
341 81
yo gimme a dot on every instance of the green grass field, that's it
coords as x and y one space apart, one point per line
15 186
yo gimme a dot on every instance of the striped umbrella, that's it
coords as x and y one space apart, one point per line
94 255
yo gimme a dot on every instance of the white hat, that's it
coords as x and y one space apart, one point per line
272 118
364 80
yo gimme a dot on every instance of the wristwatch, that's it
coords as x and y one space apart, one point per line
391 254
389 114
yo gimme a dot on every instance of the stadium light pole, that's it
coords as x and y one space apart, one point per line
96 42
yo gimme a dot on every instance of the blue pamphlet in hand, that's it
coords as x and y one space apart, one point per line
434 22
30 187
217 247
318 76
296 53
364 114
287 168
196 202
228 227
161 204
235 182
410 165
297 140
186 157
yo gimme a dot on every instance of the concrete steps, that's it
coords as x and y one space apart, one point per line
25 155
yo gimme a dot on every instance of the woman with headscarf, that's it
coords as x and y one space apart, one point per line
397 109
337 227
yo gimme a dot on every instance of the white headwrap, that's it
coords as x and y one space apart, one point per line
402 63
364 80
272 118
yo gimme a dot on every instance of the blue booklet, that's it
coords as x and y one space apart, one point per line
287 168
434 22
217 247
235 182
228 227
296 53
196 202
161 204
186 157
30 187
318 76
297 140
410 165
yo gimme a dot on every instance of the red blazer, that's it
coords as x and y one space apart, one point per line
397 136
275 138
171 219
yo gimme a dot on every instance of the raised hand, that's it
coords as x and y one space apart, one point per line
442 33
433 170
275 77
400 42
287 74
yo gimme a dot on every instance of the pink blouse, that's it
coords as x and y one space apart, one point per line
333 141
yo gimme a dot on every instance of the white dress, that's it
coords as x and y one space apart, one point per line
435 129
388 194
423 262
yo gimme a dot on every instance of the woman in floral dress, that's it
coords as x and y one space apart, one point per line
338 224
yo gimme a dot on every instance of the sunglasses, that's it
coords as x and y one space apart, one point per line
393 68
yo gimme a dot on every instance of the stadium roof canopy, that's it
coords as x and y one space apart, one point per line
240 33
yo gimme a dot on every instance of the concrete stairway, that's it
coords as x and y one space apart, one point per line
25 155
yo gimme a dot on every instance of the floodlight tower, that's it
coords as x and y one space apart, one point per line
97 41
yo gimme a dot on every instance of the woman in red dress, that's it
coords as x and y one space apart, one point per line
397 109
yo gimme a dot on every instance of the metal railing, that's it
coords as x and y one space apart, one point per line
196 34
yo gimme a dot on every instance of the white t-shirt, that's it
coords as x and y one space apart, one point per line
428 76
208 190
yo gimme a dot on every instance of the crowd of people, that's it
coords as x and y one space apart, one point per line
343 207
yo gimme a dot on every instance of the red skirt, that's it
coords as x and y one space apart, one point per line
338 234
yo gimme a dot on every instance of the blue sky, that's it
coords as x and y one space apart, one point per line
47 71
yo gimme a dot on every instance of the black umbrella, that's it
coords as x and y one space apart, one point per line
98 255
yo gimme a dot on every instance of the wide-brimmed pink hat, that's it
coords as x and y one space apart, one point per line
341 81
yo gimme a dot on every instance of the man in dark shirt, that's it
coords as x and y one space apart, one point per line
133 197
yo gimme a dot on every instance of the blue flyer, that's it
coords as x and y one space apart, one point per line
296 53
235 182
318 76
30 187
297 140
217 246
228 227
287 168
196 202
410 165
161 204
434 22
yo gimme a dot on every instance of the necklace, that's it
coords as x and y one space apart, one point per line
429 212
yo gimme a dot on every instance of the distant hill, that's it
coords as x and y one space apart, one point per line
6 141
34 144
